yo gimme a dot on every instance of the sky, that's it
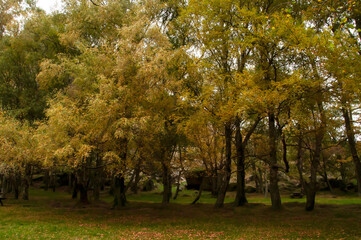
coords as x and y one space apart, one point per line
49 5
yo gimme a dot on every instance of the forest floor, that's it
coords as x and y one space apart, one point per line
53 215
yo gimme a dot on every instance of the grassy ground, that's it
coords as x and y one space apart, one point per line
51 215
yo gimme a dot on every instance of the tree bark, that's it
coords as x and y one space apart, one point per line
70 182
200 191
178 185
97 178
134 187
10 183
4 186
226 175
46 180
325 176
256 177
311 187
120 199
260 174
26 182
352 145
214 184
82 187
180 173
241 175
17 184
265 183
119 182
75 187
167 185
83 193
53 181
284 156
299 163
275 194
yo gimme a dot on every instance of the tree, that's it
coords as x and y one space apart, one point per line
19 152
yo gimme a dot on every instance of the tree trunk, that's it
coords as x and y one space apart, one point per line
214 185
4 186
310 197
75 187
70 183
53 181
284 156
261 188
200 191
119 182
97 178
311 188
83 193
241 175
352 145
325 176
10 183
275 194
82 187
46 180
342 170
178 185
167 185
26 182
299 163
256 177
120 199
17 185
180 173
226 175
266 183
134 187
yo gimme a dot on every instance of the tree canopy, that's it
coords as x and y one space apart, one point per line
121 90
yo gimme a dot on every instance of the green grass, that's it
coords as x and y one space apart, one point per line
49 215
